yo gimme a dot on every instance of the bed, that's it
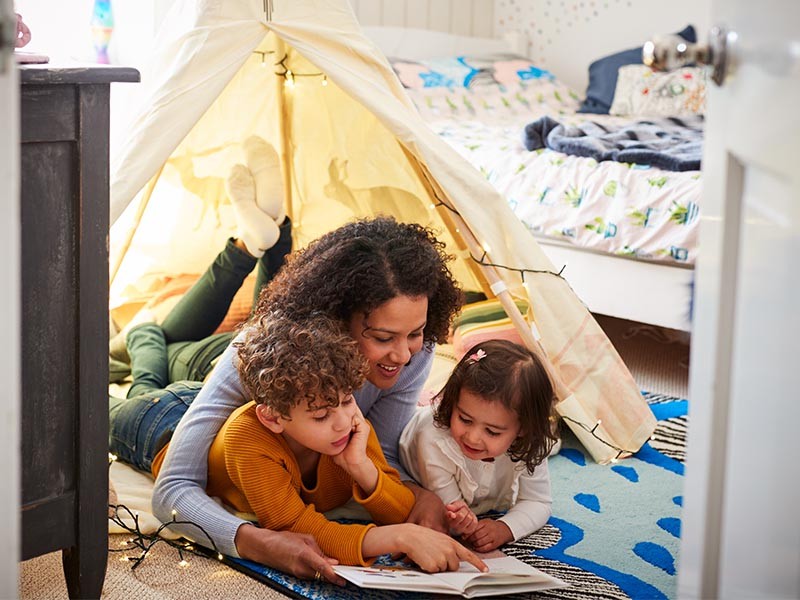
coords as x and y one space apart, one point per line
624 234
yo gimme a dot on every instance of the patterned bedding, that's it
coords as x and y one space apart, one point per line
617 208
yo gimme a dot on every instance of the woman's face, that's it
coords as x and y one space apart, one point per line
389 336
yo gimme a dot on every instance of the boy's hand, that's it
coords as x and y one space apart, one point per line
354 459
488 535
460 518
355 453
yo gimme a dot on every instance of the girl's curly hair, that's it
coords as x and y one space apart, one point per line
283 362
509 373
361 265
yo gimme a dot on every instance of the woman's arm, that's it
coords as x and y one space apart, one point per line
181 483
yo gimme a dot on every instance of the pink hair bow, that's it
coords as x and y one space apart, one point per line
476 356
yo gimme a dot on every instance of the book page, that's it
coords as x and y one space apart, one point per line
506 575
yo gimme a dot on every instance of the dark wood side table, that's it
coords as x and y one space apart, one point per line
64 211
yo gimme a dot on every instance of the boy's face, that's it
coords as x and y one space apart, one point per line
323 429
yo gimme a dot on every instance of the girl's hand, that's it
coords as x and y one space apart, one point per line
488 535
435 552
461 519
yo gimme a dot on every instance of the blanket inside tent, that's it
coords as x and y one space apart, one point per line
301 74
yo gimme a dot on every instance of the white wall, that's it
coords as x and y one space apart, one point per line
565 36
61 29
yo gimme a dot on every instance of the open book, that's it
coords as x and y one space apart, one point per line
506 575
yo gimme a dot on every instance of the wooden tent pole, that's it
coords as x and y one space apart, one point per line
504 296
135 225
284 126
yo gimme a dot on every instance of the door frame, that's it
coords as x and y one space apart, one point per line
9 321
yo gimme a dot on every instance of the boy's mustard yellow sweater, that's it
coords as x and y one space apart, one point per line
253 470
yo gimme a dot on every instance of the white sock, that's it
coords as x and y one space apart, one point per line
263 162
255 228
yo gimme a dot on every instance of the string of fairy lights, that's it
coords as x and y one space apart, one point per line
286 72
142 543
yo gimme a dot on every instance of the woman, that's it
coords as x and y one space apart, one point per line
389 284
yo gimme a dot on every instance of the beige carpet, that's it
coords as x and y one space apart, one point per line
657 358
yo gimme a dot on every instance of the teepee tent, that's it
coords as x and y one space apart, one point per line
301 74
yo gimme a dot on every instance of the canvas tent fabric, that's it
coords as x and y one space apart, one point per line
352 145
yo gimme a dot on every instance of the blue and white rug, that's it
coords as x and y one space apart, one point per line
614 533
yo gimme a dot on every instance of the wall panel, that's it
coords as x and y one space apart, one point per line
463 17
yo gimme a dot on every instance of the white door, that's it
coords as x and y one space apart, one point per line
741 512
9 315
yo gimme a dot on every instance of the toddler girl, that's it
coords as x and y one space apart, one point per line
483 446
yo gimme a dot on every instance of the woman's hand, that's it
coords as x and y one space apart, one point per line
461 518
429 510
488 535
295 553
354 459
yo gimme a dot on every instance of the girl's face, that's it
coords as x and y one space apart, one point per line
389 336
482 428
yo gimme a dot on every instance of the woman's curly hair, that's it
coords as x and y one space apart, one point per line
283 362
509 373
361 265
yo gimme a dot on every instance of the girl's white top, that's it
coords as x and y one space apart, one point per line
433 458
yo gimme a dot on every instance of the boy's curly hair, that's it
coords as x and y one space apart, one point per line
361 265
511 374
283 362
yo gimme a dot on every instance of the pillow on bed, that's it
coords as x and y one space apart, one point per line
642 91
466 71
481 321
603 75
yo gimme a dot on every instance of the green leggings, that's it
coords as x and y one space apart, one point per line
188 328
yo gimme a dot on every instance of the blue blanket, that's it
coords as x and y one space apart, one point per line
673 144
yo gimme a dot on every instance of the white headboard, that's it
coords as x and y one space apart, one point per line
563 37
461 17
416 44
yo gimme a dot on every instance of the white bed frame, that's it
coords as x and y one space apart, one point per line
646 292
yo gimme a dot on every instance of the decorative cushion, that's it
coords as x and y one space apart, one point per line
603 75
462 71
641 91
481 321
